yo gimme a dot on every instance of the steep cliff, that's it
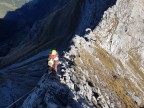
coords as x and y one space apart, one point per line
104 67
72 18
24 53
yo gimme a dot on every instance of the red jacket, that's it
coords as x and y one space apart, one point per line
53 56
55 59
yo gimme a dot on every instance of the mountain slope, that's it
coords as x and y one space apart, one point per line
24 54
105 68
10 5
59 25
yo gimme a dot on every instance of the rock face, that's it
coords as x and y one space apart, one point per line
104 68
123 39
24 50
50 93
110 59
61 24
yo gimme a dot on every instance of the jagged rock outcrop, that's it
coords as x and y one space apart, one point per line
105 68
56 29
112 60
95 67
121 35
93 76
51 93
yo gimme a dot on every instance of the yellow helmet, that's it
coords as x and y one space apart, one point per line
53 52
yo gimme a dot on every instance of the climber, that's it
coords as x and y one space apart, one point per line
53 60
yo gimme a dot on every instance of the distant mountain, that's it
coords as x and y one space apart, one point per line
26 14
17 25
10 5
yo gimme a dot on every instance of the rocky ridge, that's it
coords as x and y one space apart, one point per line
107 63
102 69
92 76
112 59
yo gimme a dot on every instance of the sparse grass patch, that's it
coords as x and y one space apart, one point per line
142 104
135 67
105 58
133 87
114 21
117 85
98 38
107 63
